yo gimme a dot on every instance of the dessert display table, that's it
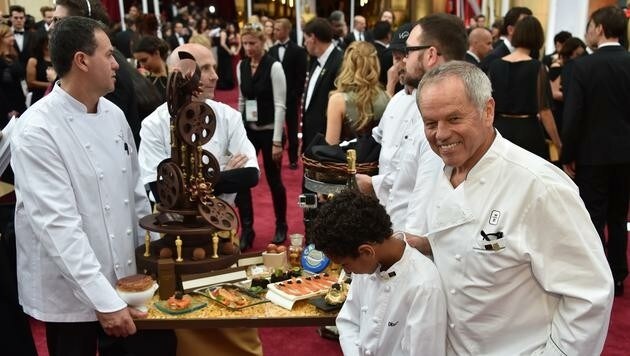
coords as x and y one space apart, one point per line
217 316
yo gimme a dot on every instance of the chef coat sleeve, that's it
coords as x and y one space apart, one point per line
568 260
425 330
348 320
154 147
51 209
238 143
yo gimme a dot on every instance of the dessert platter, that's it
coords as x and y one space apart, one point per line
286 293
232 296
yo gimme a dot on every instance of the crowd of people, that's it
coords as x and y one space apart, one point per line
503 176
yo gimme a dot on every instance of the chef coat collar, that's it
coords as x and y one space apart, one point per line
73 104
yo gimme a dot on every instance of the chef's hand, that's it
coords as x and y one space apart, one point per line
365 184
420 243
569 169
120 323
237 161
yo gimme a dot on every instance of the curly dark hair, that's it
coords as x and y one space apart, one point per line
348 221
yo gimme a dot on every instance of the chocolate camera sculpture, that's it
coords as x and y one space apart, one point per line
198 228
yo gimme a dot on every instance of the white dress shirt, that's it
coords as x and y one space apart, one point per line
401 311
19 39
229 139
400 132
544 287
79 198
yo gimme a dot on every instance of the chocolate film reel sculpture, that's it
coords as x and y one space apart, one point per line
198 228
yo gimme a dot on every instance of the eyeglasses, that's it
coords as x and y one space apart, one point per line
409 49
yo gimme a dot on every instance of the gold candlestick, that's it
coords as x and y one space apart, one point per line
215 245
178 244
147 241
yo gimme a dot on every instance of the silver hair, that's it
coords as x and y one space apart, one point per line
476 82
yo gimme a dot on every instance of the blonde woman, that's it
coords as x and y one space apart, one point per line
262 101
359 101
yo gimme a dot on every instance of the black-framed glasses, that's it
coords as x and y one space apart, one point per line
409 49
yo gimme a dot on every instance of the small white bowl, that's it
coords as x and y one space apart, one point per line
138 300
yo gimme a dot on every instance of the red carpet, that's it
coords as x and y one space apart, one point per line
305 340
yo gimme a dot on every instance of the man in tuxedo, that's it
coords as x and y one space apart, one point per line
293 59
340 28
22 37
323 70
505 47
595 133
479 45
179 37
42 27
382 32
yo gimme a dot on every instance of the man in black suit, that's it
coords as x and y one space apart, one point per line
179 37
359 32
382 32
23 38
479 45
505 47
337 20
325 63
293 59
122 40
596 133
42 27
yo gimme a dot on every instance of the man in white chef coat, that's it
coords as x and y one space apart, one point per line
239 169
522 265
79 198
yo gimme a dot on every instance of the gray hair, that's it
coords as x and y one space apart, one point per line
476 83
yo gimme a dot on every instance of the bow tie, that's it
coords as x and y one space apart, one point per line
15 32
283 45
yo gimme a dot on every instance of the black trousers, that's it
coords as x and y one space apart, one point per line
263 142
292 128
83 339
17 338
605 190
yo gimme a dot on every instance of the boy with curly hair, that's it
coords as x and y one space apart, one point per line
396 305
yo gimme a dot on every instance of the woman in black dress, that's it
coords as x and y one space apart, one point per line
521 90
229 48
11 71
37 66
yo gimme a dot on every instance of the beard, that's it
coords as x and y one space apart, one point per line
414 79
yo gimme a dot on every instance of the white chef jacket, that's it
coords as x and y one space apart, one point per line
229 139
545 287
79 197
401 311
400 133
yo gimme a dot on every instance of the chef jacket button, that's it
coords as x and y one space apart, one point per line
128 231
451 325
129 262
107 207
111 236
368 352
482 180
126 201
452 291
101 176
375 320
390 190
116 266
87 145
124 170
117 139
388 288
438 206
364 308
372 278
458 257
